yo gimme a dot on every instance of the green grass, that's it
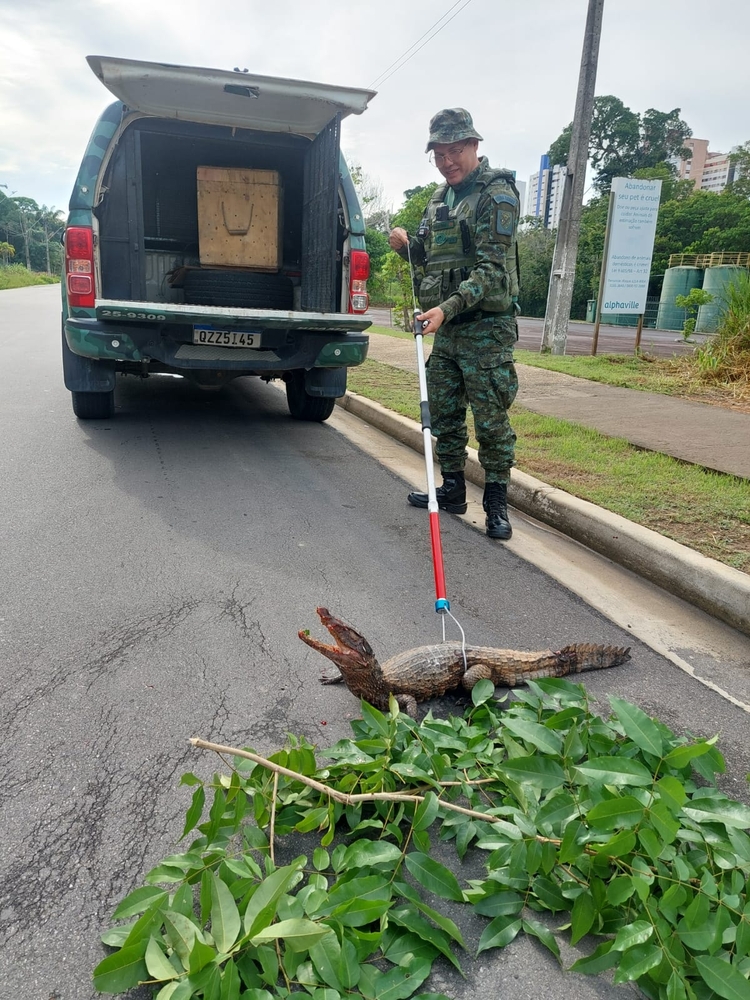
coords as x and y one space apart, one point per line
708 511
17 276
669 376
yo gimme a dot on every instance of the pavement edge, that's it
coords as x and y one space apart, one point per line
720 590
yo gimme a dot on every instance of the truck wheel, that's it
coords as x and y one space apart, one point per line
305 407
93 405
244 289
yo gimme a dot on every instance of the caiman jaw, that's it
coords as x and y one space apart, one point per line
351 652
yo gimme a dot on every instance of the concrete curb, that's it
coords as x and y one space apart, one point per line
710 585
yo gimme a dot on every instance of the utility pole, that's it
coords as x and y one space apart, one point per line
560 293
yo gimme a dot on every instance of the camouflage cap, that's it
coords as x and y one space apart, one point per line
451 125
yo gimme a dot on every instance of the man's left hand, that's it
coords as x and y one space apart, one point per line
434 318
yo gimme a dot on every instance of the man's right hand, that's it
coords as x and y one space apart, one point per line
398 238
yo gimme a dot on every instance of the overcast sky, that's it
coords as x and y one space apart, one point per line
513 65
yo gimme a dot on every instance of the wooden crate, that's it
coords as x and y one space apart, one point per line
240 217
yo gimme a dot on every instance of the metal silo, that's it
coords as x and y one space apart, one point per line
716 281
677 281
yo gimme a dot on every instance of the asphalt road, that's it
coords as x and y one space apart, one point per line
612 339
156 568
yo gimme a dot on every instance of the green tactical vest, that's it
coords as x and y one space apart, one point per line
450 245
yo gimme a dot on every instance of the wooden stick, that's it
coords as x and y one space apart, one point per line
332 793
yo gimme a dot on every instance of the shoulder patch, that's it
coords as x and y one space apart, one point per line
506 211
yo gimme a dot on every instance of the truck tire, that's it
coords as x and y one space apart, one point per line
244 289
301 405
93 405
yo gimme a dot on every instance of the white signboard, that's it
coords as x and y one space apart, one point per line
631 245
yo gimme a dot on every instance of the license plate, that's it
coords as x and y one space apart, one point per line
225 338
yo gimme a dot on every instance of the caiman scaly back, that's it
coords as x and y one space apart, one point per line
430 671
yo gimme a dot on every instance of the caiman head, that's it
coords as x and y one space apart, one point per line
351 653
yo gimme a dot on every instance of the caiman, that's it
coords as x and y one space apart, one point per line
430 671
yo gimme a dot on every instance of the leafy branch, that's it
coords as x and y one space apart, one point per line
618 823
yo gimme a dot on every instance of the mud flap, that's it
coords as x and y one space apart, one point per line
83 374
329 382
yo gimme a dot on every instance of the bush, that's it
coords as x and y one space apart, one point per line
726 357
17 276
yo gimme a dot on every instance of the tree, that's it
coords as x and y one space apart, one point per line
740 160
376 209
395 269
623 141
7 250
536 247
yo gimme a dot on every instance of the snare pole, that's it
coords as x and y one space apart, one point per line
442 604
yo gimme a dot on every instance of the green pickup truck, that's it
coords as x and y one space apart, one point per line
163 275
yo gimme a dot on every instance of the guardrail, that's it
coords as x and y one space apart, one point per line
708 259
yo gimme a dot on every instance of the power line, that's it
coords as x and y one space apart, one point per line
401 61
378 77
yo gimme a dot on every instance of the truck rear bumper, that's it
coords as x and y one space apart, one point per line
170 345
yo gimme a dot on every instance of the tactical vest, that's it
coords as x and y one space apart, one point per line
450 245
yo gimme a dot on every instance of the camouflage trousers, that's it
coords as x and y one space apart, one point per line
472 363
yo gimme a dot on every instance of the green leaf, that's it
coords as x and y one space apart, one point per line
182 934
498 904
371 853
138 901
676 987
601 959
539 736
122 971
616 771
582 916
622 811
498 933
194 813
230 981
261 908
681 756
672 793
722 978
400 983
620 889
157 963
636 962
539 772
616 847
638 726
321 859
482 691
408 917
225 917
544 934
723 810
375 719
434 876
632 934
299 930
325 955
427 811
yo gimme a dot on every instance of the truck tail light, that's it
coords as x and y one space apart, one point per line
79 266
359 272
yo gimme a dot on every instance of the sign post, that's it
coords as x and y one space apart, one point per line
628 249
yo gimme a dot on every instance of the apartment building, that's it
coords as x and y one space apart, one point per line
545 193
707 170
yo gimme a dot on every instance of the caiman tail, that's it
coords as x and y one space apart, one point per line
513 667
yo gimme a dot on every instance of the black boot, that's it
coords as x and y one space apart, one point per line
451 496
495 503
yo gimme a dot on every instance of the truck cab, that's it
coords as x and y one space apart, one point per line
214 232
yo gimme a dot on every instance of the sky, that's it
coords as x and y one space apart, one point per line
514 66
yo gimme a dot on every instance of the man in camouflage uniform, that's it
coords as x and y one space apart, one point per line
465 267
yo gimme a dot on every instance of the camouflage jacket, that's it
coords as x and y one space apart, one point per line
493 274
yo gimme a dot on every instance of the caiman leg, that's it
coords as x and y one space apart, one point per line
509 667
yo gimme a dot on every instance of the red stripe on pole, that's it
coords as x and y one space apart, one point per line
437 556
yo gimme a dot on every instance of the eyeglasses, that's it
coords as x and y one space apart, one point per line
453 154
